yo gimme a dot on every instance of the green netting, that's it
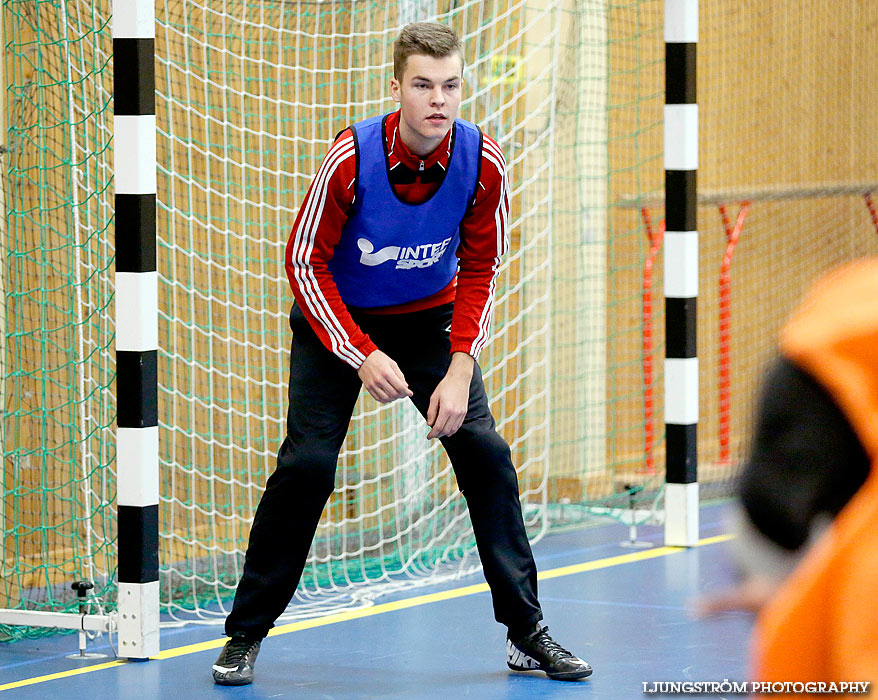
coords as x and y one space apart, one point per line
57 508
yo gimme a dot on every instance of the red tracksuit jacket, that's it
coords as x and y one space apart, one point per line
324 211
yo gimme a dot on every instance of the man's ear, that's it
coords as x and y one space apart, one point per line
394 89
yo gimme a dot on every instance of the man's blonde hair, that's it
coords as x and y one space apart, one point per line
424 39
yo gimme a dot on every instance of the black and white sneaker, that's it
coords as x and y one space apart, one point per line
539 652
235 663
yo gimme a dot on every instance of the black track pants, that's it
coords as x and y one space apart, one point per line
323 391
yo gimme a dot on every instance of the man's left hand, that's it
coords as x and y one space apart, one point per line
450 399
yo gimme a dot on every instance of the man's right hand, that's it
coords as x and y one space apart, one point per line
383 378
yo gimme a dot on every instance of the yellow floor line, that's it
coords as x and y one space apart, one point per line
380 609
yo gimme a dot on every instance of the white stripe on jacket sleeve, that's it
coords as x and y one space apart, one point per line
303 247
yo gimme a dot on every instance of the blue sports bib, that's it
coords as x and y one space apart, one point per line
391 252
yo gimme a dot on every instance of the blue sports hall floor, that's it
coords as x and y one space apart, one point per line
626 611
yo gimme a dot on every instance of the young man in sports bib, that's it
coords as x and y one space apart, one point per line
393 262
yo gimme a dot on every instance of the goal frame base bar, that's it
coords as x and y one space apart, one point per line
70 621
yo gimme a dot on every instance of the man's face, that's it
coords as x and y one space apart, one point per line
429 95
